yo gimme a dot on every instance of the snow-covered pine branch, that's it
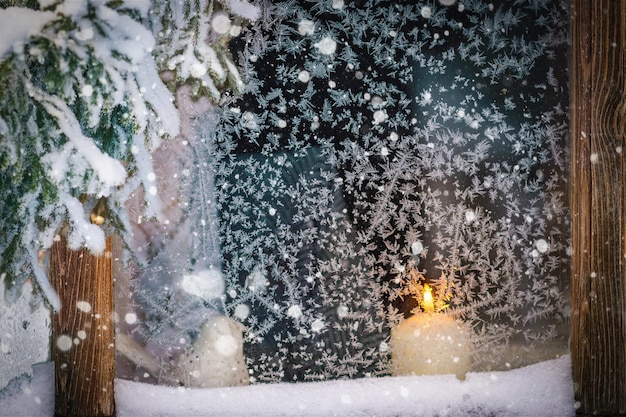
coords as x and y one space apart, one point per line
192 38
82 106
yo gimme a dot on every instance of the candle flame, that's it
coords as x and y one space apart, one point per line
428 304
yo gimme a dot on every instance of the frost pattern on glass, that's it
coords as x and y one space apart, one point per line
24 334
375 140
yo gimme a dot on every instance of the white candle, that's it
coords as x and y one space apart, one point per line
431 343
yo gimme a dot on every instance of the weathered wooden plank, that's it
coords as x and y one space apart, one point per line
83 332
598 205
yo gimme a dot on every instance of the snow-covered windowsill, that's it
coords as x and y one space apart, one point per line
540 390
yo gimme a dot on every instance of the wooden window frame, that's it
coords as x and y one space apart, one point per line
598 205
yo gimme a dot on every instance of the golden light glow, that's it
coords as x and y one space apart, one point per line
428 304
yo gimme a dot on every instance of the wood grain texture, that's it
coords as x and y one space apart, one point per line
84 374
598 203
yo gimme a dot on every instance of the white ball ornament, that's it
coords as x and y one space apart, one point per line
215 358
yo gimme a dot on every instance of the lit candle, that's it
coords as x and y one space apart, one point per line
431 343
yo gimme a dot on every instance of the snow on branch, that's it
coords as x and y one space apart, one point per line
13 31
109 171
192 43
